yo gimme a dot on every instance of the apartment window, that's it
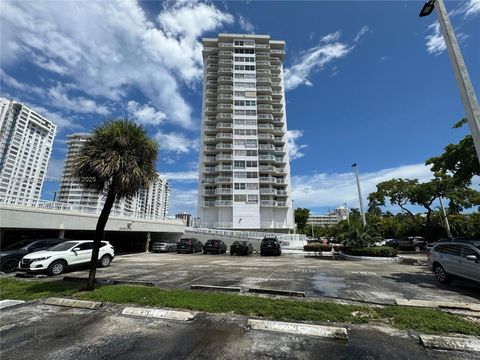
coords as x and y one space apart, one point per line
239 93
239 164
240 198
244 51
252 175
251 143
251 164
252 199
240 152
240 174
239 186
252 186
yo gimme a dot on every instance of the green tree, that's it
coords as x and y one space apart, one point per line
120 159
301 218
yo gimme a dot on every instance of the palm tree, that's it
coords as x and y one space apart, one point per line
119 159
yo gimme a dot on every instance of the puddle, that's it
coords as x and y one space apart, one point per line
327 285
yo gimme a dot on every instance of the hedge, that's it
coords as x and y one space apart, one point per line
377 251
317 247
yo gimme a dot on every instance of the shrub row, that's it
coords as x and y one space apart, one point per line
317 247
372 251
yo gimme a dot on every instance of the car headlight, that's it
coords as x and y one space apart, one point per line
41 259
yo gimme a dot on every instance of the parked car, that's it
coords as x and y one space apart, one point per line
214 247
241 248
380 242
416 243
455 259
190 245
392 243
11 255
164 247
455 239
270 246
58 258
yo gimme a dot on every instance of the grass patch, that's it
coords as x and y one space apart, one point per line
31 290
403 317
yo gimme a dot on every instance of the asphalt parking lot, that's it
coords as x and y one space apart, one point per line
38 331
351 280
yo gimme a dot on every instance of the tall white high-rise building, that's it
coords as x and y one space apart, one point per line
26 140
151 202
244 165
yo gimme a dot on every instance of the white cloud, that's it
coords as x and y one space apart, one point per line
17 85
294 149
60 99
246 25
175 142
145 114
184 176
470 8
108 48
362 32
435 43
182 200
315 58
333 189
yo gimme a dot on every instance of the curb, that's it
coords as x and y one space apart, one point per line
450 343
299 329
277 292
159 313
9 303
438 304
110 281
396 259
215 288
82 304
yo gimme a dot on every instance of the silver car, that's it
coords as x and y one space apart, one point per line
455 259
164 247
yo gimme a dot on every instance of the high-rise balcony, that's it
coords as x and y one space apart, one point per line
208 180
209 138
224 136
208 203
265 117
225 45
282 193
210 148
264 89
225 107
225 98
263 55
268 191
279 139
209 159
276 85
282 204
277 53
266 157
267 127
209 170
266 168
224 116
225 71
224 126
275 69
263 64
225 54
266 137
225 89
210 49
264 108
223 203
212 75
223 180
277 112
264 80
210 101
278 121
225 80
278 130
277 94
268 203
212 92
225 61
224 146
263 72
220 168
209 129
209 192
212 83
262 46
267 180
221 191
280 181
264 99
280 159
224 157
265 147
210 110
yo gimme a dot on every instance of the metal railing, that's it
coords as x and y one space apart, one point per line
253 235
24 202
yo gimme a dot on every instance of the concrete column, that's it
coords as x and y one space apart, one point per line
147 244
61 234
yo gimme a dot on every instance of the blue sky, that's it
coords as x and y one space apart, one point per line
368 81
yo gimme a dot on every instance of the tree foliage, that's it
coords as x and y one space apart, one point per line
301 218
117 161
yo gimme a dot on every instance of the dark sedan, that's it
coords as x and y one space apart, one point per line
214 247
241 248
270 246
416 243
189 246
10 256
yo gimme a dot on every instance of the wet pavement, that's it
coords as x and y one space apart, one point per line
38 331
352 280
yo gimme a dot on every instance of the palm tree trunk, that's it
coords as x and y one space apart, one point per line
102 221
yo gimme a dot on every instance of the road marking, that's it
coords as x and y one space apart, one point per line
363 273
299 329
450 343
73 303
248 268
159 313
201 266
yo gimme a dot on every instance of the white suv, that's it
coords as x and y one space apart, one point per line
56 259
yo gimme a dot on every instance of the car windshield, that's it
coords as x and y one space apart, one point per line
19 245
63 246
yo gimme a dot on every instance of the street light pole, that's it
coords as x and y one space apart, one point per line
469 100
364 221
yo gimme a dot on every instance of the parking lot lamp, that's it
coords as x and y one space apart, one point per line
469 100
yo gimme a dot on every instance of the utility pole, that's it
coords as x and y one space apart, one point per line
364 221
469 100
445 218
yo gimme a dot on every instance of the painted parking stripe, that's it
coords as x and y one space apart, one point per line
299 329
159 313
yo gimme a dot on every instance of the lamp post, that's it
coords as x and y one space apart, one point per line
364 221
469 100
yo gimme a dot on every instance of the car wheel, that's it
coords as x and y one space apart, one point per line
105 260
441 274
262 253
231 254
57 268
10 265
